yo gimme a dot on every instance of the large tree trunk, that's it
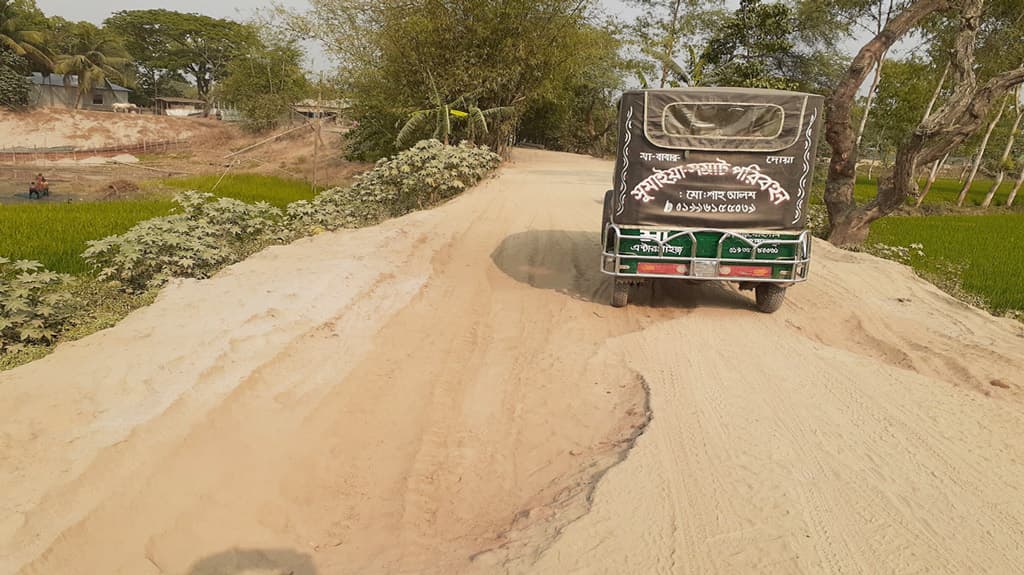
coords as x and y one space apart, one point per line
936 166
871 99
981 156
847 226
1006 154
1016 186
935 94
961 116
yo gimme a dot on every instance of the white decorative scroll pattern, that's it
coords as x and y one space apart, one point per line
802 190
625 161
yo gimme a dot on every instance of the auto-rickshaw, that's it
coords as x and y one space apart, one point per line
711 184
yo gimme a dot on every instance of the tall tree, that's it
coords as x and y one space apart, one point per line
981 153
670 31
1004 161
575 108
899 104
93 56
23 37
754 47
165 44
959 117
1017 184
937 164
264 83
504 52
880 15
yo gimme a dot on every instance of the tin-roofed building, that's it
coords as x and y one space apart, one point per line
58 90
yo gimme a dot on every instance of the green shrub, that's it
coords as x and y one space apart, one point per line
32 303
208 235
817 221
14 88
211 233
420 177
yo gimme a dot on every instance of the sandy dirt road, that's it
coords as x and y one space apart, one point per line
450 393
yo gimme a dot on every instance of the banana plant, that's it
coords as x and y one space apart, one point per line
442 115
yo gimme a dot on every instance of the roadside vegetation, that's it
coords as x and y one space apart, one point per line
974 255
970 252
944 192
55 234
252 188
193 236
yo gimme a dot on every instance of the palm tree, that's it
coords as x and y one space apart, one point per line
94 58
16 36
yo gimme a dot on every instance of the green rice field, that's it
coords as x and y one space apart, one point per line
989 249
944 191
250 188
55 234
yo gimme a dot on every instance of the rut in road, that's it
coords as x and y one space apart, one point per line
449 392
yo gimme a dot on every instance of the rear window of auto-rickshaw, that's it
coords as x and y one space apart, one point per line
724 120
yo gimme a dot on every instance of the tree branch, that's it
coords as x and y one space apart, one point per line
839 132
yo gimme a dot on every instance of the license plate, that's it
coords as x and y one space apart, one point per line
705 269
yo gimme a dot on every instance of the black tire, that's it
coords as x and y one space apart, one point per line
769 297
620 293
606 213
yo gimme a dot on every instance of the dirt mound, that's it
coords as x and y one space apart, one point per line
465 400
80 129
117 190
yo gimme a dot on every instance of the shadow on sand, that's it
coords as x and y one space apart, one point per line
568 262
255 562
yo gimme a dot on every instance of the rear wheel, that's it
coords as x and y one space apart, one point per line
620 293
769 297
606 214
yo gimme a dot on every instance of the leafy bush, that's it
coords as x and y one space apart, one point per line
210 234
817 220
206 234
32 303
420 177
13 85
195 243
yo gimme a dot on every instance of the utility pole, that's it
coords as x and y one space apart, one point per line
316 132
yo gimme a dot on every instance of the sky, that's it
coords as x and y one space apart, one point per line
98 10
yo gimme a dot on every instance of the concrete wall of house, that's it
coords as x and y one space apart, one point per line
52 96
65 97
